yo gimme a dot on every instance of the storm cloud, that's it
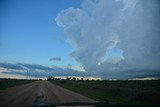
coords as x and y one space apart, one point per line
112 36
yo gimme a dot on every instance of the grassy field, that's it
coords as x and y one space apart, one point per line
137 92
6 83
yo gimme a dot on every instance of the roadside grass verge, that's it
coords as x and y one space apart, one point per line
134 92
7 83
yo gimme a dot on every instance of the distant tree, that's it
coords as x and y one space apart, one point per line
82 79
49 78
73 78
77 79
53 78
68 78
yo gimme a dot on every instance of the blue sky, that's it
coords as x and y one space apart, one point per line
107 38
29 33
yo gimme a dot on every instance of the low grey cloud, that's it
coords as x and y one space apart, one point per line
101 27
11 66
35 66
55 59
36 70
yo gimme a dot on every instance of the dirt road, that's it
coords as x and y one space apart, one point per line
39 92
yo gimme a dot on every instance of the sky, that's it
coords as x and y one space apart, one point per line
106 38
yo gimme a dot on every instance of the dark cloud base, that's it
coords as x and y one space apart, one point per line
35 70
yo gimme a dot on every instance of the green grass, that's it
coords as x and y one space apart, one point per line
143 93
7 83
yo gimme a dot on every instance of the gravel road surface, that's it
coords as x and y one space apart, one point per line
37 93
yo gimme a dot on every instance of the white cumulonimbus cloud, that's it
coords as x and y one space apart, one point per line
114 35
